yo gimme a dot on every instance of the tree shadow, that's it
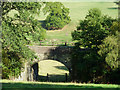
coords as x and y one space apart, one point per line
53 78
42 78
61 67
24 86
113 8
42 22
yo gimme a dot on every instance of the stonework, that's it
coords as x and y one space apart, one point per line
57 53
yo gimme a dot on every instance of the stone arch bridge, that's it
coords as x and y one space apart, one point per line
57 53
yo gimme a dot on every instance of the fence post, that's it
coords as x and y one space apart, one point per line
65 77
65 43
47 77
52 43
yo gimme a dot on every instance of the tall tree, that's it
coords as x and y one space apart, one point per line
17 32
87 64
58 15
93 29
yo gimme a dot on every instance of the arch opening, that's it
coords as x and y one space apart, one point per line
50 70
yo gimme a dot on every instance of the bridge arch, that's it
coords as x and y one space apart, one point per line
58 53
55 71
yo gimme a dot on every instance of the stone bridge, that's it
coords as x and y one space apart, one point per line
57 53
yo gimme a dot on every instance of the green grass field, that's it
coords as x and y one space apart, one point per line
78 11
25 84
55 69
51 67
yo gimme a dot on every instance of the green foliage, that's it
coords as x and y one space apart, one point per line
93 13
18 32
109 48
58 15
87 64
11 64
93 29
85 67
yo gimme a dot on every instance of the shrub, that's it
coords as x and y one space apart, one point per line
57 18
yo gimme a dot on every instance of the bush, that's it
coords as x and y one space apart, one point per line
57 18
11 64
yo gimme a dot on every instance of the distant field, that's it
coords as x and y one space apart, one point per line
7 85
78 11
55 69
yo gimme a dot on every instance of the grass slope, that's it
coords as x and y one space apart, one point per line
78 11
18 84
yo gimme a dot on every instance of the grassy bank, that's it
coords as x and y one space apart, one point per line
18 84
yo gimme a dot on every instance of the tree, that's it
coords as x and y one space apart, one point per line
58 15
110 51
87 64
117 2
109 48
17 32
93 29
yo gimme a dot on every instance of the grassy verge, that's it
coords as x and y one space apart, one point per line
18 84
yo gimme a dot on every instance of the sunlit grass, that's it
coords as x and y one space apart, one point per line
52 67
25 84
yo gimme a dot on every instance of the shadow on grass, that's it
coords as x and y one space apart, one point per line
56 89
33 85
61 67
53 78
44 86
113 8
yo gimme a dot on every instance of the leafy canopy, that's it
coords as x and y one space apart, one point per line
58 15
109 49
17 32
93 29
87 64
